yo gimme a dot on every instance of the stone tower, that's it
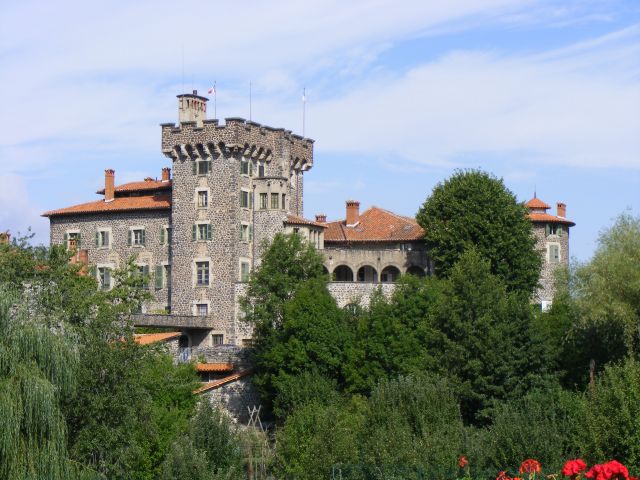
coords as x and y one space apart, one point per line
233 186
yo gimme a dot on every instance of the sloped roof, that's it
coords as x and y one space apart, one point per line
295 220
214 367
535 202
118 204
546 218
149 338
223 381
148 184
375 225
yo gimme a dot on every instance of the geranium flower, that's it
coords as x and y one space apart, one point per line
612 470
462 461
530 466
503 476
574 467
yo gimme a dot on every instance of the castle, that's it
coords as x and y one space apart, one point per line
199 232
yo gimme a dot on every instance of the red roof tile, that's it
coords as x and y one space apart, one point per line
119 204
375 225
149 338
145 185
214 367
295 220
535 202
546 218
223 381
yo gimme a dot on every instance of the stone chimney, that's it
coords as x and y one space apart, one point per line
321 218
166 174
109 185
353 213
562 210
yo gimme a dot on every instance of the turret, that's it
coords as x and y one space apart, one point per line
192 108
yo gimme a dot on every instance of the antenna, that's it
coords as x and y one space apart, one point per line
304 105
183 68
215 106
250 100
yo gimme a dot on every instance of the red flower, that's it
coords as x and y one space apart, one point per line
462 461
503 476
530 466
612 470
574 467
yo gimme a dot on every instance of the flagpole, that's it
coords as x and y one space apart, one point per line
250 100
215 100
304 105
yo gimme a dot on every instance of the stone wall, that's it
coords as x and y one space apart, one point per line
546 291
152 253
360 293
236 398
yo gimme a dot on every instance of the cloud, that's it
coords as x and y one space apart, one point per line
17 213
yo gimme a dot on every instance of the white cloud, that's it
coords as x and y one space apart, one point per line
17 213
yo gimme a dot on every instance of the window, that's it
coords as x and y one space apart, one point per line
104 278
203 199
245 166
102 239
202 273
162 276
136 237
72 240
165 235
275 200
261 170
217 339
244 271
201 167
247 342
143 271
245 199
202 309
553 229
246 233
263 201
284 196
201 232
554 253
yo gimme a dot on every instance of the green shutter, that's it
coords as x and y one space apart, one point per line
159 282
65 238
194 167
209 232
79 240
546 229
560 230
107 278
143 236
210 166
194 232
250 232
161 235
97 239
129 233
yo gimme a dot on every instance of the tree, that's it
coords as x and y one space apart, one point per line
475 209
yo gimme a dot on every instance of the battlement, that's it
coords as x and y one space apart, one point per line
190 140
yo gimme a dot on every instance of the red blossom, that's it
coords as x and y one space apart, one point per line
462 461
530 466
574 467
503 476
612 470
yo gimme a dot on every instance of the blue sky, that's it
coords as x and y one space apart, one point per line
545 94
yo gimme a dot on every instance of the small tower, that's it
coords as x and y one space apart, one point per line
192 108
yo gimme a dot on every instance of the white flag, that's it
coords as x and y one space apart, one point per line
211 91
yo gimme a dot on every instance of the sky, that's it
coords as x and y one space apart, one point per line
400 94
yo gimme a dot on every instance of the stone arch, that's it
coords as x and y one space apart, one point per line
342 273
389 274
416 270
367 273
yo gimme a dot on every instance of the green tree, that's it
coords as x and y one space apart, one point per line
475 209
484 339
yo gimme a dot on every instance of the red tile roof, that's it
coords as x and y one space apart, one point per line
295 220
546 218
119 204
214 367
535 202
149 338
148 184
375 225
223 381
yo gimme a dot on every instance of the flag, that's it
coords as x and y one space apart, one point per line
212 91
304 95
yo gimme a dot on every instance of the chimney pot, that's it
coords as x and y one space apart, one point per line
166 174
195 92
109 185
562 209
353 212
321 218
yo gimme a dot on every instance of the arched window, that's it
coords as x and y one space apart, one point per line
390 274
342 273
416 270
367 273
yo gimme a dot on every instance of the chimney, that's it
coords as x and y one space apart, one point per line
321 218
562 210
109 185
353 213
166 174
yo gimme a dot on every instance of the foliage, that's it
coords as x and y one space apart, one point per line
474 209
611 419
210 449
294 391
484 340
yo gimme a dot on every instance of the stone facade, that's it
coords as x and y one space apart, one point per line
545 240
